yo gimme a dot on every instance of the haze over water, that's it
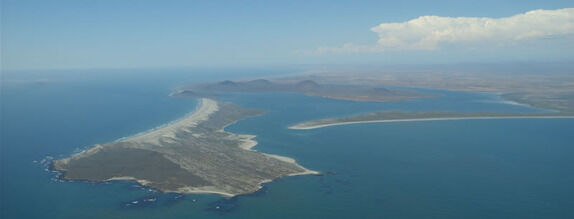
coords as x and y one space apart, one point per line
448 169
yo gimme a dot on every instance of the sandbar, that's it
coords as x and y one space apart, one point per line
303 126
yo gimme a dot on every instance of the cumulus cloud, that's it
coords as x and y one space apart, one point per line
433 32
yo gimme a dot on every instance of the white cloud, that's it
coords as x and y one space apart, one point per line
433 32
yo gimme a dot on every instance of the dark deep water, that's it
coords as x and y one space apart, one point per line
443 169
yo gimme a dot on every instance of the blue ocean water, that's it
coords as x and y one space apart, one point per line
444 169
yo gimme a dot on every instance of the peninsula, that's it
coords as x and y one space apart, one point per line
402 116
191 155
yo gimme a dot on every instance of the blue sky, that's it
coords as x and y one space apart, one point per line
141 34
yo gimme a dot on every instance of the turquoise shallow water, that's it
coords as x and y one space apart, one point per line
444 169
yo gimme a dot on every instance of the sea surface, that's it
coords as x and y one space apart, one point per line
520 168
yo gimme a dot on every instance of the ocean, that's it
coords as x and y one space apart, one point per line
518 168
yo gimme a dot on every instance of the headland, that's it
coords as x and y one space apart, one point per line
191 155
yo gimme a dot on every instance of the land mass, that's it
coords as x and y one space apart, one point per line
548 86
402 116
191 155
306 87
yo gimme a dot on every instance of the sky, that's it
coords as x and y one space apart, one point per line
78 34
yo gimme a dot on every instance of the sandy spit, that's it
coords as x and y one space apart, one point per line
306 127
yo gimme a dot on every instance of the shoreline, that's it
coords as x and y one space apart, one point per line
94 148
167 133
306 127
248 144
185 190
168 130
197 107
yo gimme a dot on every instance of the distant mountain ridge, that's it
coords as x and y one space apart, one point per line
306 87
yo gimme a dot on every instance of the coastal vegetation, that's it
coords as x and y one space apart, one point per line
191 155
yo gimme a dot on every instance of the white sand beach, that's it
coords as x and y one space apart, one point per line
206 108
